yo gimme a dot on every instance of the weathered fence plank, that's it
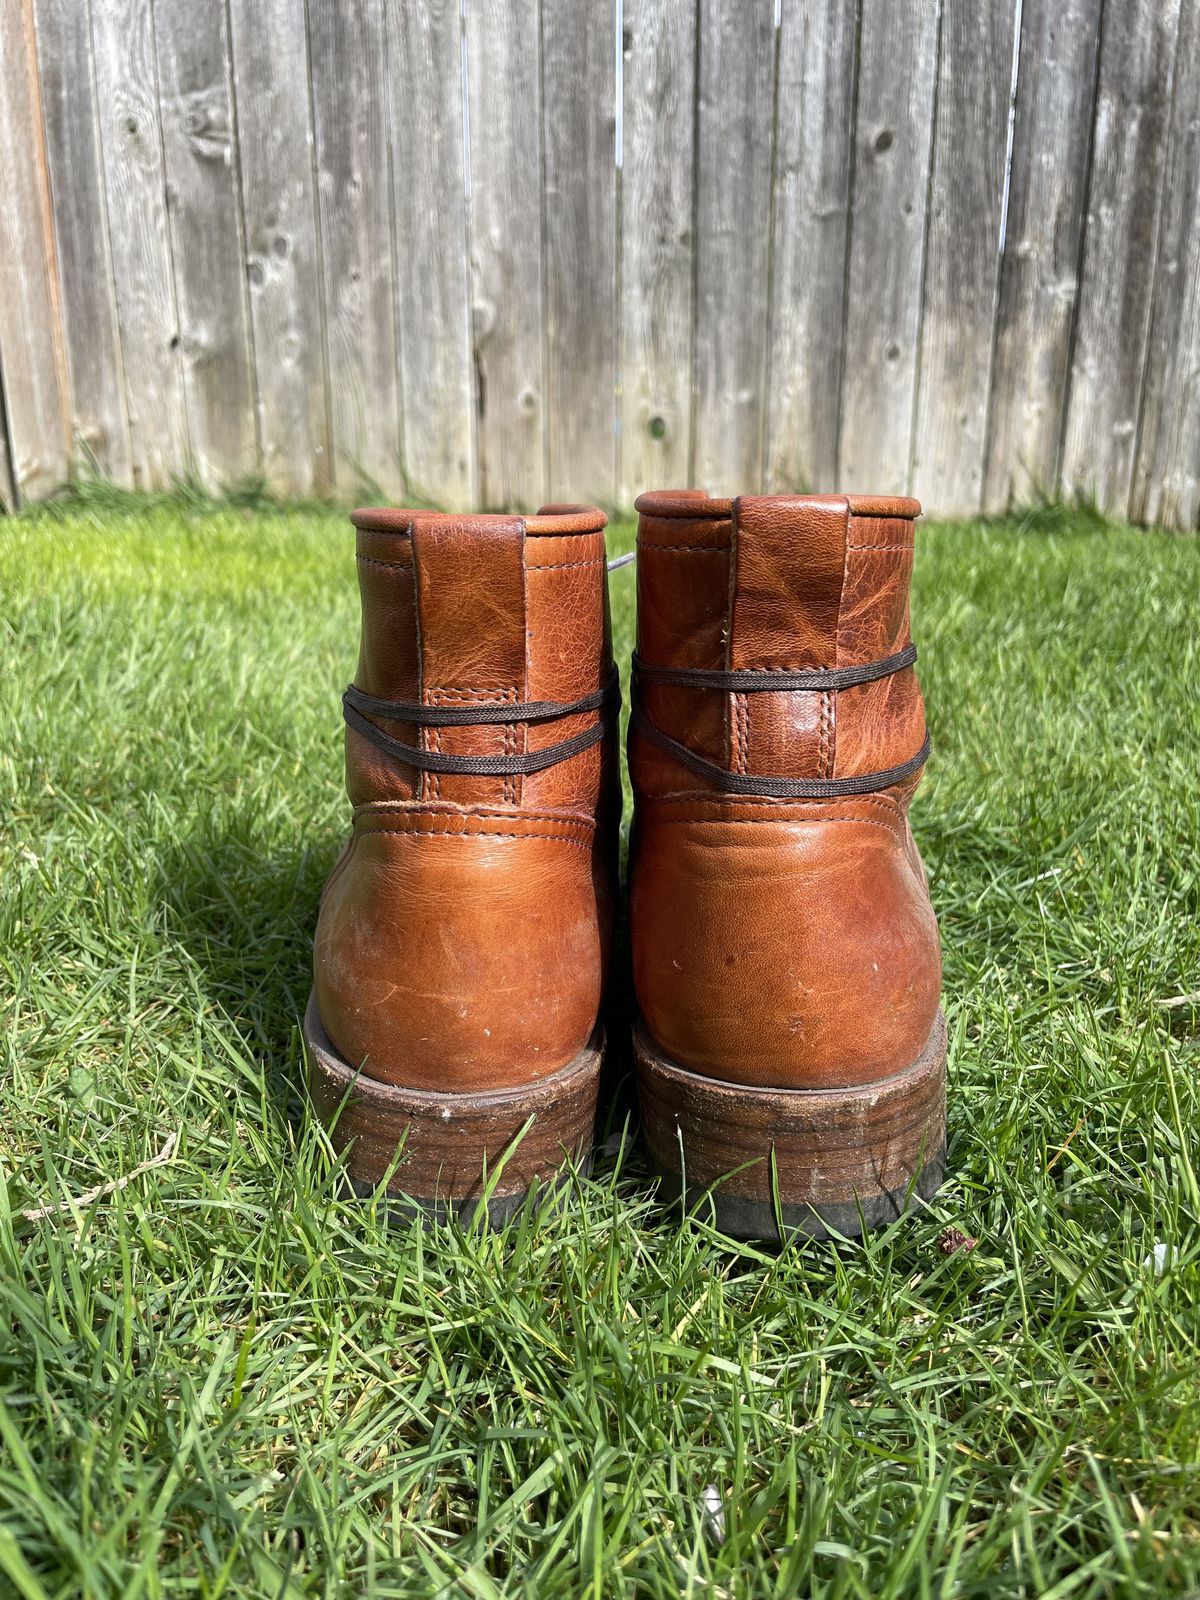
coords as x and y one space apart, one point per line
1137 57
131 147
429 207
207 251
350 114
34 369
505 109
91 337
1167 474
962 261
735 128
658 52
580 230
1040 265
269 47
896 76
486 251
817 63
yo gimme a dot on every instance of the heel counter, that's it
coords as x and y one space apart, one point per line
457 950
786 951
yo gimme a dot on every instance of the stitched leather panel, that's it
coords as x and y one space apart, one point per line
789 567
388 664
570 656
682 611
780 942
470 577
878 723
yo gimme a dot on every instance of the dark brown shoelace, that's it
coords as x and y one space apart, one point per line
754 682
356 704
749 681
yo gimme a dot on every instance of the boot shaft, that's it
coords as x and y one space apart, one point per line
462 612
781 927
797 585
463 937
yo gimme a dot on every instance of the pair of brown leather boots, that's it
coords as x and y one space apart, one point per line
790 1052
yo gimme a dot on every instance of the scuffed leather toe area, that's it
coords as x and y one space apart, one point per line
464 950
783 949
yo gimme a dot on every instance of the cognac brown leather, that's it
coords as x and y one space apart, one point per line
779 943
463 935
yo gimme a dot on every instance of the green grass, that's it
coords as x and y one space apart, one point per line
223 1378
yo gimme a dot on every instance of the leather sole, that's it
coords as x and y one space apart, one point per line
769 1163
442 1153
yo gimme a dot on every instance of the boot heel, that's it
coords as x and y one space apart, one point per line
452 1144
839 1160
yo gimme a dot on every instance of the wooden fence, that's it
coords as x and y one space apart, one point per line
493 252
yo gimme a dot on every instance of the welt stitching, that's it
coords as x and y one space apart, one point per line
426 781
823 761
390 566
478 694
770 667
461 833
882 801
561 566
483 694
829 712
512 783
482 813
879 547
702 514
755 822
833 733
892 822
691 549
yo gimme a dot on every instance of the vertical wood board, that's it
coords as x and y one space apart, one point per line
1167 471
353 154
962 263
735 128
817 62
203 208
99 430
505 120
896 81
126 70
1120 238
658 50
1047 202
269 45
580 230
34 373
429 206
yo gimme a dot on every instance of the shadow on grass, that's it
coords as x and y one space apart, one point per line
244 919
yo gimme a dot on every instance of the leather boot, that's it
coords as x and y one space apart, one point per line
790 1048
454 1031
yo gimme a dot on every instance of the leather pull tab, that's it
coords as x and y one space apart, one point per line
471 621
789 564
787 573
